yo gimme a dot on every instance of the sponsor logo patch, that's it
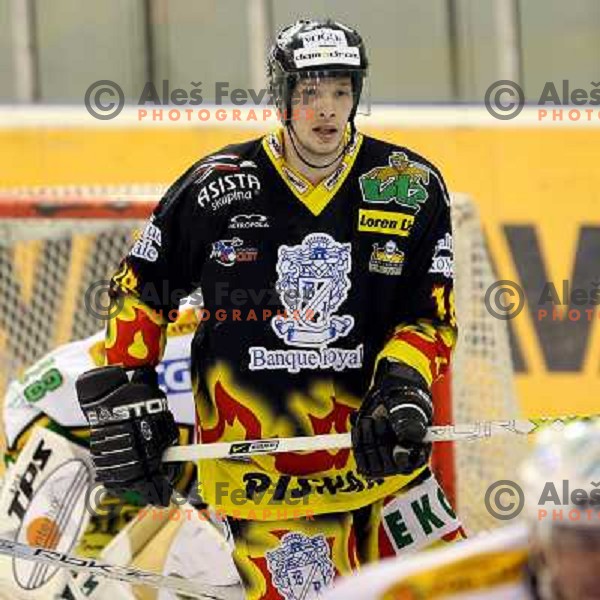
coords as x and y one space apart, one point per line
253 447
325 55
419 517
49 381
443 257
43 505
384 221
296 181
332 180
146 246
386 259
317 271
323 36
127 411
293 361
174 376
230 252
233 184
249 222
401 181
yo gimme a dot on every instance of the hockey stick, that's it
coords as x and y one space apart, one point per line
438 433
120 573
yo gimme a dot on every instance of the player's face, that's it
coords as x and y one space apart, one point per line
320 112
573 560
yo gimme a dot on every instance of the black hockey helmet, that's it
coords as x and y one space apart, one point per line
311 49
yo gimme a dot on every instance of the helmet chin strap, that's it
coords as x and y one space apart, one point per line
293 134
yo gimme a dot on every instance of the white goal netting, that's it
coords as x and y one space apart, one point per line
482 374
55 243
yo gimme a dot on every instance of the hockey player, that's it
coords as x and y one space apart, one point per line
313 247
553 555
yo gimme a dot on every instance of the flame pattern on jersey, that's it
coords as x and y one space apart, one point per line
424 346
312 482
136 336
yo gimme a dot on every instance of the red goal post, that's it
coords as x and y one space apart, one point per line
132 203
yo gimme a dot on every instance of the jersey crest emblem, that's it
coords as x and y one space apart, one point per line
301 567
312 284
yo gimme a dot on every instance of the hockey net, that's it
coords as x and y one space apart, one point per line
55 243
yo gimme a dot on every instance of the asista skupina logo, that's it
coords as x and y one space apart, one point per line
226 179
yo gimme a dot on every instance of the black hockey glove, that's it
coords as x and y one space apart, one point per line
389 427
130 428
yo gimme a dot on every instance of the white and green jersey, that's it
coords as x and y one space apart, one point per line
44 395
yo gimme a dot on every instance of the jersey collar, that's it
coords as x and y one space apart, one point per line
314 197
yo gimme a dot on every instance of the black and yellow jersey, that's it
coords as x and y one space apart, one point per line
304 288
